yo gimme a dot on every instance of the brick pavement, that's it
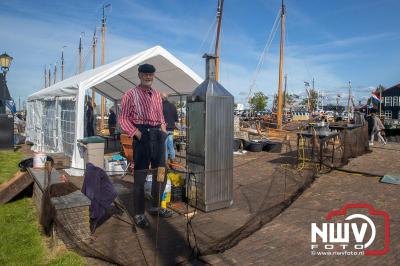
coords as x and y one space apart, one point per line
286 240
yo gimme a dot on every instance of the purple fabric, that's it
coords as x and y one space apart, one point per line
99 189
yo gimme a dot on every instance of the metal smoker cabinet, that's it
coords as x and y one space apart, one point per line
210 146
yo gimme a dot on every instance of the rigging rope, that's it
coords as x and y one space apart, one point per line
265 52
198 54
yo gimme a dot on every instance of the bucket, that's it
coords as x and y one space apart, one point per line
39 160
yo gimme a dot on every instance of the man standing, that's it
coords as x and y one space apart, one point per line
143 120
170 116
89 119
112 121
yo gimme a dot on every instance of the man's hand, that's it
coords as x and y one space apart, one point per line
138 134
164 129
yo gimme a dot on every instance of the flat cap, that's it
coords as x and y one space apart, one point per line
146 68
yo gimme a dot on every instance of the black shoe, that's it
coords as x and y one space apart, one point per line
163 213
141 221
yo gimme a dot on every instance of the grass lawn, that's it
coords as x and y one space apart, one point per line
20 240
9 164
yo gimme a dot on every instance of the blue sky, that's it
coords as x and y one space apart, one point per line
331 41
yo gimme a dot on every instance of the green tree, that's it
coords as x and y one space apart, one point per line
258 102
311 101
380 89
288 101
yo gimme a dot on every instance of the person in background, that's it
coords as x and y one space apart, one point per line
112 121
376 130
89 119
359 118
170 116
142 119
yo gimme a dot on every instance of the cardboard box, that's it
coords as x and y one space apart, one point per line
114 167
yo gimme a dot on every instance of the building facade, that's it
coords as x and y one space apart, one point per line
391 105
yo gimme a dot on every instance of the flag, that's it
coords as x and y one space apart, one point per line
375 99
306 83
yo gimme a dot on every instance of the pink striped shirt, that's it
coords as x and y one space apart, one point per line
140 107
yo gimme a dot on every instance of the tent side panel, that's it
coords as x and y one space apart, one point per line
67 122
77 160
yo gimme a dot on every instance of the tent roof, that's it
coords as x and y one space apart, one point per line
114 79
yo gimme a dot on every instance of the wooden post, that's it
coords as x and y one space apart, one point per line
279 115
217 41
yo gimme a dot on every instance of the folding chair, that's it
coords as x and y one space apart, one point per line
126 143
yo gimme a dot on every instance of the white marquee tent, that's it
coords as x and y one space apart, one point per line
55 115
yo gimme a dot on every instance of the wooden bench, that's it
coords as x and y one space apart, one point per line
14 186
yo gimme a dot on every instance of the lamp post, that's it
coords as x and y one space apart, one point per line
5 62
6 121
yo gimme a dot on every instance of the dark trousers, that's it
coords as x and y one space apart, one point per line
89 129
149 151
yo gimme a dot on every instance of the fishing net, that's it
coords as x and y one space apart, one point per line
333 149
264 185
355 143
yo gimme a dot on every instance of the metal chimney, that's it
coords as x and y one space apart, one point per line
210 66
210 143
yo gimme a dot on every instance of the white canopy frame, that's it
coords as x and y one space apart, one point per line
112 81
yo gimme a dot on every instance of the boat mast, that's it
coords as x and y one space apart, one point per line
279 115
45 76
49 75
94 43
103 33
55 73
348 104
380 102
80 53
62 63
284 97
219 20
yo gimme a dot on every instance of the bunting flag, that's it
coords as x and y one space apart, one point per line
11 106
